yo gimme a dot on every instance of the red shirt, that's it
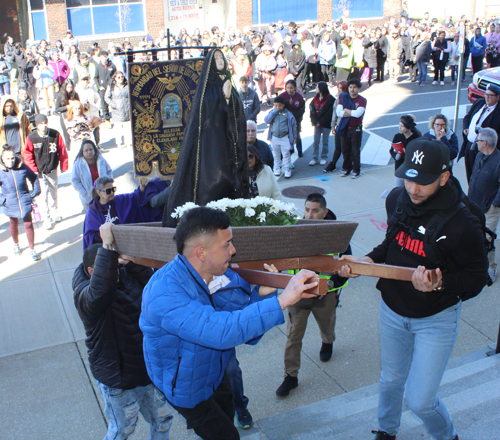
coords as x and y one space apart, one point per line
359 101
296 104
94 172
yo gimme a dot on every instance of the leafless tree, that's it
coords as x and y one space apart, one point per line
342 6
124 15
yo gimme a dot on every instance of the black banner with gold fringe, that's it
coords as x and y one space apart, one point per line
161 93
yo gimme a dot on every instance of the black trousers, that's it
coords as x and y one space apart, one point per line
380 67
470 157
477 63
351 150
213 419
104 106
439 66
338 149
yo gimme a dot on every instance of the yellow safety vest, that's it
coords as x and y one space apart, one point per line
330 283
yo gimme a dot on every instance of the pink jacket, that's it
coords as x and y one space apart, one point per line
61 70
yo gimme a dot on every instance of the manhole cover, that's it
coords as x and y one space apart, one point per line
301 192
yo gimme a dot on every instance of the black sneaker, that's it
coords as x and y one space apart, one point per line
382 435
329 168
344 173
325 354
244 419
288 384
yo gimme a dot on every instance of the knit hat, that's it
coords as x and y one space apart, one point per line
425 160
41 118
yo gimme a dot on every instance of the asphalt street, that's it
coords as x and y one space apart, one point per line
387 102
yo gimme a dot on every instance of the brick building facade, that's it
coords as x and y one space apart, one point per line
51 18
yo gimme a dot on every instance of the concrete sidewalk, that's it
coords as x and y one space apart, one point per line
48 392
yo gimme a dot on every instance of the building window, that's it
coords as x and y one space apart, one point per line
99 17
38 19
363 9
286 10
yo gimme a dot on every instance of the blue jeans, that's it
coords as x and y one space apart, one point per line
415 351
123 407
422 72
233 370
454 71
317 137
299 144
5 88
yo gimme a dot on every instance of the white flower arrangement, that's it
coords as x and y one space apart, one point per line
259 211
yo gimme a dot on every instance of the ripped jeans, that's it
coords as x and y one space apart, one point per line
123 407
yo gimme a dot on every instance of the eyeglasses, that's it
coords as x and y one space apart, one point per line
440 125
480 140
490 95
251 156
108 191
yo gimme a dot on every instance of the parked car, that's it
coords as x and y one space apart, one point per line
481 80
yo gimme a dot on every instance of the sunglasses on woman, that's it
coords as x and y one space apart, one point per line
108 191
251 156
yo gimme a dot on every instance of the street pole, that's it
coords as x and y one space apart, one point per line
461 43
457 94
258 12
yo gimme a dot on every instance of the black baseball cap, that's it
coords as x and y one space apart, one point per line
425 160
493 88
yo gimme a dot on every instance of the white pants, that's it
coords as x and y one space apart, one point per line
492 217
48 196
123 133
281 147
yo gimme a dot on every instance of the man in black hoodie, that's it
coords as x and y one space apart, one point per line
108 297
429 227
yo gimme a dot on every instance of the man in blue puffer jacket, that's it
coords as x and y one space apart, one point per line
195 310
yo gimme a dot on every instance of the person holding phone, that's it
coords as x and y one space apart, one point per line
439 130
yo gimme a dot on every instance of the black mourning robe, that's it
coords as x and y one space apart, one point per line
213 161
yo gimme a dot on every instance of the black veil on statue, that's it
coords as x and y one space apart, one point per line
213 160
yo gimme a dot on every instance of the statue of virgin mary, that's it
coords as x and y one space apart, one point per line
212 163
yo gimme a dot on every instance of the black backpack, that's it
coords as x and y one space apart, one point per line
435 225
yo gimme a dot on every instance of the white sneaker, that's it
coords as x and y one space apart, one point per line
58 219
322 162
288 173
277 172
434 83
492 274
442 83
47 224
313 162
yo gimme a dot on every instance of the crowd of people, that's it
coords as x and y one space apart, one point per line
174 346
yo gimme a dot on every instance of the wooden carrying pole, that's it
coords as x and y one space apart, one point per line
329 264
260 277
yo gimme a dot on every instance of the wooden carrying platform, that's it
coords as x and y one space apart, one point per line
151 245
287 247
306 238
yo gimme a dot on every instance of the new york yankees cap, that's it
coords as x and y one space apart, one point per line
425 160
